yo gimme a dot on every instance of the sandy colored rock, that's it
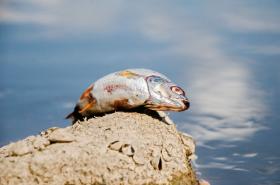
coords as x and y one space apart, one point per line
119 148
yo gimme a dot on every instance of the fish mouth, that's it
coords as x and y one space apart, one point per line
178 106
186 104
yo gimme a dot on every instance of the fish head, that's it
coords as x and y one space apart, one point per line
165 95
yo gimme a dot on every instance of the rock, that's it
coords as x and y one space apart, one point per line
119 148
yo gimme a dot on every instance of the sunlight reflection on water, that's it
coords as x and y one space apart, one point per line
226 109
225 104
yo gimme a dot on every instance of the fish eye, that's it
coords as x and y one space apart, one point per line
177 90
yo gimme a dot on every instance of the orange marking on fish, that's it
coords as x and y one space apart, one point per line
127 74
87 99
86 93
122 104
88 106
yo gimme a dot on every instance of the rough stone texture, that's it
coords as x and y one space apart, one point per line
119 148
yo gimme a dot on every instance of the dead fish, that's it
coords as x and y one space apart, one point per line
129 89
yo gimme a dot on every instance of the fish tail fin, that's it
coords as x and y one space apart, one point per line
75 115
70 116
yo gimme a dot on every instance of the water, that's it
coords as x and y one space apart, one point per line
226 55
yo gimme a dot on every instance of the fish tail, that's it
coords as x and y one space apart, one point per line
75 115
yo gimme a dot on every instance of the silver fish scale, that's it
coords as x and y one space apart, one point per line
116 87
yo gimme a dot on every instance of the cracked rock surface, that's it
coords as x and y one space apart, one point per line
119 148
